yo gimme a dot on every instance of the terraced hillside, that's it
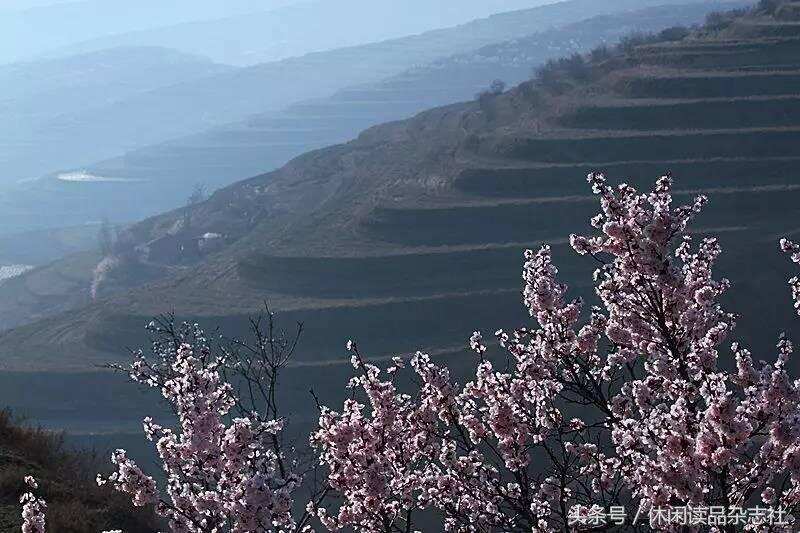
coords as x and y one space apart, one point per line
160 175
74 140
411 236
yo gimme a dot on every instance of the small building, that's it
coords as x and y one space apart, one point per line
210 243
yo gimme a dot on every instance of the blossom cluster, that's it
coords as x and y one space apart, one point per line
625 405
33 509
222 473
581 414
793 250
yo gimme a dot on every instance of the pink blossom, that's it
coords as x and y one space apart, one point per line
642 371
219 476
33 509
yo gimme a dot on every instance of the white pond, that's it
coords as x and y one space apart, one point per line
11 271
86 177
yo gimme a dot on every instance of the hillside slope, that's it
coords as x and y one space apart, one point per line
161 175
385 214
73 140
75 504
411 236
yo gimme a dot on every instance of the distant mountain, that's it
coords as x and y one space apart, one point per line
73 141
375 222
35 92
74 138
411 236
29 28
310 26
162 174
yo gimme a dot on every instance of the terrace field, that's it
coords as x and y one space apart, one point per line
411 236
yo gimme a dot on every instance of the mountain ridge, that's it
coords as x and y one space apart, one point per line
362 193
411 236
172 111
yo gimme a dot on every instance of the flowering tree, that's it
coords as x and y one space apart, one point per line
574 418
628 407
225 464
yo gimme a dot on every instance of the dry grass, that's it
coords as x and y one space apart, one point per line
66 479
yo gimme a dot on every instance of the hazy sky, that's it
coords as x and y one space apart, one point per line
25 4
31 28
18 5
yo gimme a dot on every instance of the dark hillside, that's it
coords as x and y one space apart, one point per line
411 236
159 177
74 502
